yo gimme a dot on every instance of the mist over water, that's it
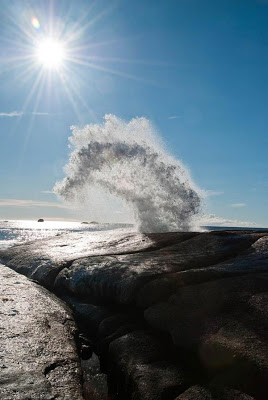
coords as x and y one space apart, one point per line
127 160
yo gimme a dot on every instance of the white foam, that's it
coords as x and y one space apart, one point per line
128 160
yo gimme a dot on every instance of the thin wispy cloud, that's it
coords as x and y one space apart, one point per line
214 220
11 114
40 113
47 191
175 117
21 113
237 205
30 203
209 193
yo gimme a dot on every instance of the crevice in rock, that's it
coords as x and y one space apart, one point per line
53 366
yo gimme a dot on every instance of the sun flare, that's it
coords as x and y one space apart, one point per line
50 53
53 52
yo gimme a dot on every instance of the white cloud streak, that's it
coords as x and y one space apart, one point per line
40 113
213 220
11 114
237 205
208 193
21 113
175 117
30 203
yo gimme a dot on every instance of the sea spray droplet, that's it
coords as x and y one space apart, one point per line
129 161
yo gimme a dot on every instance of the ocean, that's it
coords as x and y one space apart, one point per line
18 231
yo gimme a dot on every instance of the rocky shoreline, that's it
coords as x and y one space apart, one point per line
38 356
171 316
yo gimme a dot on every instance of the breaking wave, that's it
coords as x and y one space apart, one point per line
128 160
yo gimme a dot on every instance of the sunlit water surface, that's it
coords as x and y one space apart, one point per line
19 231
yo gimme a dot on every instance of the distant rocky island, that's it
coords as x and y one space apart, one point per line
40 220
89 223
180 315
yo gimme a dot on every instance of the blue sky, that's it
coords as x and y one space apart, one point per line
196 69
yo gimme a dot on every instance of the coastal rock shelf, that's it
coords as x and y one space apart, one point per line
38 358
171 316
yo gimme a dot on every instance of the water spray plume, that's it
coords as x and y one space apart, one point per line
128 161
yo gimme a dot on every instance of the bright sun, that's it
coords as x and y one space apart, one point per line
50 53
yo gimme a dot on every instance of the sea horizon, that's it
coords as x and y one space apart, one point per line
18 231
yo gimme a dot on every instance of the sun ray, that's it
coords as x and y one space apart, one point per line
80 29
36 105
69 95
27 136
24 107
89 46
114 72
32 91
80 98
132 61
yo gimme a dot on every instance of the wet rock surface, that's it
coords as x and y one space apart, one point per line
213 393
95 382
38 358
172 315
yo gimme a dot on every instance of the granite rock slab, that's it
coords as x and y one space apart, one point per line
120 278
171 314
42 260
38 357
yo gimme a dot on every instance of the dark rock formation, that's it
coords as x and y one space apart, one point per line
40 220
201 393
42 260
169 315
38 358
